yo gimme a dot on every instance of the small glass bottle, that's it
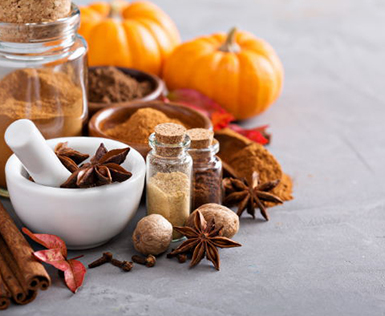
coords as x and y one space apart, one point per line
169 169
207 168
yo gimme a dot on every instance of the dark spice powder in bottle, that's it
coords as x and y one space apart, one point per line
207 168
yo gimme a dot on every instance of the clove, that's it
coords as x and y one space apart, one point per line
124 265
107 257
182 257
149 261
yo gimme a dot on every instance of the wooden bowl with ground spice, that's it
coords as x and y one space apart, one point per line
109 86
133 123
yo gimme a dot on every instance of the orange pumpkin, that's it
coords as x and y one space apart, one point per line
137 34
239 71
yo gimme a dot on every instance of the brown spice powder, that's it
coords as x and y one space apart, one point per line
109 84
49 98
246 156
140 125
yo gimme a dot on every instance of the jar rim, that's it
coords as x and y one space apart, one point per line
40 31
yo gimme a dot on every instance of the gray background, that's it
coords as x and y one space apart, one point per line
322 253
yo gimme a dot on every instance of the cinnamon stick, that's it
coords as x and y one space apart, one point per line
5 295
18 292
22 274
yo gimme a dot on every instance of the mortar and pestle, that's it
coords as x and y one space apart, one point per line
83 218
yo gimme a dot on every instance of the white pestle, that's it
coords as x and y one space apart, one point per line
29 145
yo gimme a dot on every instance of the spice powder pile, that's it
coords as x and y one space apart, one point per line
109 84
140 125
245 157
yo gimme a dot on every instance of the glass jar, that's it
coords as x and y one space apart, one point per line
169 169
206 175
43 69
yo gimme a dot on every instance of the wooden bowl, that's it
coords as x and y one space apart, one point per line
113 115
156 83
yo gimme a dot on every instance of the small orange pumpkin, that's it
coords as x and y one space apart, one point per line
239 71
138 34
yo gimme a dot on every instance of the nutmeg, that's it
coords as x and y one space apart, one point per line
152 235
222 215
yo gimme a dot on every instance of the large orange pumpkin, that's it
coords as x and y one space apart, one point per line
239 71
137 34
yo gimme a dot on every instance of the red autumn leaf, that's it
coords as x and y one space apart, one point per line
258 135
53 257
56 255
220 118
47 241
193 97
74 275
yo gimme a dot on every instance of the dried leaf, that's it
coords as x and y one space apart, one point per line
47 241
56 255
220 118
74 275
53 257
258 134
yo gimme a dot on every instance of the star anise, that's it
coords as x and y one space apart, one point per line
248 197
203 240
69 157
104 168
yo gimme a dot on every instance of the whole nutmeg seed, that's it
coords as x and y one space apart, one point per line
152 235
222 215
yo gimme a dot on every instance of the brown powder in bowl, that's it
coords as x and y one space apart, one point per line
140 125
109 84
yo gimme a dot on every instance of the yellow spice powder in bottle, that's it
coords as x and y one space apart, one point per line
169 168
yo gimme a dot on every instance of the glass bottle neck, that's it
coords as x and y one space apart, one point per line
204 154
169 151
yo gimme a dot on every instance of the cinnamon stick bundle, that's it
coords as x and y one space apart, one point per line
21 275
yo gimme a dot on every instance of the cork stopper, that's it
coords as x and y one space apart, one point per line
170 133
169 136
200 137
32 11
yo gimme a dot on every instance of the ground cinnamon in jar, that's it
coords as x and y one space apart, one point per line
49 98
140 125
246 156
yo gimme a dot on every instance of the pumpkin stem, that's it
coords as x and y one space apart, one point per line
114 10
230 46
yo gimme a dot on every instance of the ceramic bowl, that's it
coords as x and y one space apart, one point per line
83 218
157 86
111 116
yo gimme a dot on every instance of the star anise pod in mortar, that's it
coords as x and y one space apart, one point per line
69 157
203 240
248 197
104 168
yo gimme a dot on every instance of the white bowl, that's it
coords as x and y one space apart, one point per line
83 218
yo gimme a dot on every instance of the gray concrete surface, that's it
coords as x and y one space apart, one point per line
321 254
